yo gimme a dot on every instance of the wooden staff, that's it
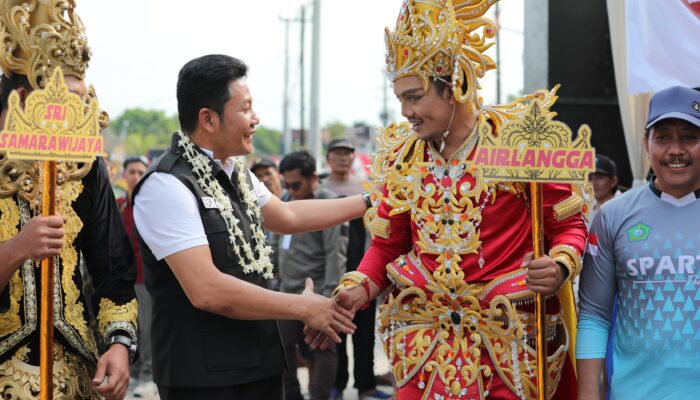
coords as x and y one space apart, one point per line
48 203
540 309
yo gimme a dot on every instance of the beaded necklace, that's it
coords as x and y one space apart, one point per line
202 171
446 175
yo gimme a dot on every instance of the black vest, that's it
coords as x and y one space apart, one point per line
195 348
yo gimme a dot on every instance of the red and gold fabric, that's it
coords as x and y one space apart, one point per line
459 320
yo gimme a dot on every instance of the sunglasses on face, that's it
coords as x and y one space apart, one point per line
291 185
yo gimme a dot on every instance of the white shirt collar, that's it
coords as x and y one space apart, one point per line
674 201
683 201
227 167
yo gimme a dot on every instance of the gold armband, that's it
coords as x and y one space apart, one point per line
568 257
566 208
351 280
379 226
112 317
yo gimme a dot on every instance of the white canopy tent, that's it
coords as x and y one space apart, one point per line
654 46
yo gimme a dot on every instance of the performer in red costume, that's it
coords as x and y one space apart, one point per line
454 249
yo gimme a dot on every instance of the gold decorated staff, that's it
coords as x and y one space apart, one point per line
536 149
54 126
48 207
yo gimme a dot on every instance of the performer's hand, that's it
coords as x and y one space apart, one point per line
40 238
316 339
326 315
112 376
345 300
543 274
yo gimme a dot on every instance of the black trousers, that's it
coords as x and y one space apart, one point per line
264 389
363 352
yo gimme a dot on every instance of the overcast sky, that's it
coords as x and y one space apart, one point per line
139 47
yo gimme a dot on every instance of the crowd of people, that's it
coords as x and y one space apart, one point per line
215 279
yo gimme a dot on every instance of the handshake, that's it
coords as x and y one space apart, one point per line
325 318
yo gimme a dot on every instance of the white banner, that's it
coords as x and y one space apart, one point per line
663 44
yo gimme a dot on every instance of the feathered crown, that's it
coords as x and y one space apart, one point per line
436 38
38 35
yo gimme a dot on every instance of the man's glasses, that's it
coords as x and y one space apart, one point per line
291 185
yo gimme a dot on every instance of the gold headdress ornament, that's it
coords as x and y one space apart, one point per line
38 35
436 38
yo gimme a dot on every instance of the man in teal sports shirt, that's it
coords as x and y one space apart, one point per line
644 250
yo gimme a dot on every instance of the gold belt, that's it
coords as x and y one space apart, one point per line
72 377
446 325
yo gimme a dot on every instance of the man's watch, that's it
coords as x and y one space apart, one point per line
126 341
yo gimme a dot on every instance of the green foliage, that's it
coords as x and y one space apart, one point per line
268 141
142 130
138 120
137 143
336 129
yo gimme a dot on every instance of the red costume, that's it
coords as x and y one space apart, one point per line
459 321
449 245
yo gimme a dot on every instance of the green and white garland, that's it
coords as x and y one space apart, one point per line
202 170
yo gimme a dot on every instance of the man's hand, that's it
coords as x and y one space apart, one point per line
40 238
112 376
544 275
316 339
327 316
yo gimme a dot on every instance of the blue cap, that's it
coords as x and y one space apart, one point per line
675 102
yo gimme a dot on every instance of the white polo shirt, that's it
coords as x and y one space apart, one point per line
167 214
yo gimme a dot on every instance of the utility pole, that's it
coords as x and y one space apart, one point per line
384 115
301 65
286 132
498 54
314 128
288 140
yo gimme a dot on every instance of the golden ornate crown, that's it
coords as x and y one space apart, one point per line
436 38
38 35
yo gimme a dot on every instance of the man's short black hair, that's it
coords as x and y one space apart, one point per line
204 83
12 83
130 160
301 160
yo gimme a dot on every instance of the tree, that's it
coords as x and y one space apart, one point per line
336 129
137 143
141 130
268 141
138 120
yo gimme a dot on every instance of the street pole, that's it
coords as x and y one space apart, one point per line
384 115
302 142
314 128
498 54
286 133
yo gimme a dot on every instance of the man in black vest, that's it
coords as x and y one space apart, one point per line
200 215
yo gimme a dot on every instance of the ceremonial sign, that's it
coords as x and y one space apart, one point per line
55 124
535 148
52 125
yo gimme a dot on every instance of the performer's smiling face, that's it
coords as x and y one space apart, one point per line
429 113
674 154
237 123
